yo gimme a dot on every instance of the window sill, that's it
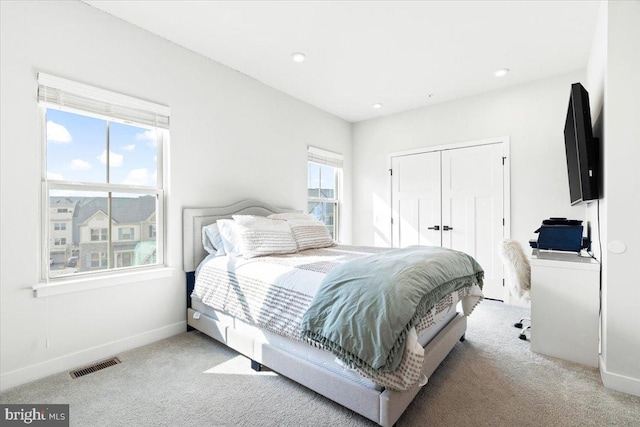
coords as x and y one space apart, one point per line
66 286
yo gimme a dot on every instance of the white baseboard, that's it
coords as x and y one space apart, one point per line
619 382
84 357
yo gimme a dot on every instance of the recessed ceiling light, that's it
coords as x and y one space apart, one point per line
377 105
298 57
501 73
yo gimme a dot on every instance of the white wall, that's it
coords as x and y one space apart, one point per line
231 138
614 71
532 115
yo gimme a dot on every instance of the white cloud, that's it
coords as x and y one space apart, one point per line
115 159
57 133
129 147
150 136
138 177
79 164
55 176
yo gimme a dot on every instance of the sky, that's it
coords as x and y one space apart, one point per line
321 176
76 150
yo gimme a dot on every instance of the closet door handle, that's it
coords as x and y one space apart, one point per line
435 227
447 228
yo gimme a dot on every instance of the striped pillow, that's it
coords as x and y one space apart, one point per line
310 234
291 215
262 236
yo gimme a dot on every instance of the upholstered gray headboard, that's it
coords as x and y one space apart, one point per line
195 218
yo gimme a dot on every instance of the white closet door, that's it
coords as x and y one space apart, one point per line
472 208
415 186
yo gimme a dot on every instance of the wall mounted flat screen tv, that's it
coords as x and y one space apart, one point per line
581 148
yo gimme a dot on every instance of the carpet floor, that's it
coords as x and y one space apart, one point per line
491 379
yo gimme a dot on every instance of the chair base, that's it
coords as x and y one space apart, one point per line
525 330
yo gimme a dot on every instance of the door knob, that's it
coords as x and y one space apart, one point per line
435 227
447 228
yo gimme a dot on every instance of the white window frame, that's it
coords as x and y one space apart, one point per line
57 93
323 157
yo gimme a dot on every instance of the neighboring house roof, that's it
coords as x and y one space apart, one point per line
62 202
124 210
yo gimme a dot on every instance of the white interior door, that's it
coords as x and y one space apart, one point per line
454 198
472 208
415 183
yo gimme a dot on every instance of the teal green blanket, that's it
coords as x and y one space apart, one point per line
365 307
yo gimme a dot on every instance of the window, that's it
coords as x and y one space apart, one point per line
124 259
99 234
323 187
104 160
125 233
98 260
152 231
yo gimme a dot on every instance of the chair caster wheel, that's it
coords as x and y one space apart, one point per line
523 337
518 325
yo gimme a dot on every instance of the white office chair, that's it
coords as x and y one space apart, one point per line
517 277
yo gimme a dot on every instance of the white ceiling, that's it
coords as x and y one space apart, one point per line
365 52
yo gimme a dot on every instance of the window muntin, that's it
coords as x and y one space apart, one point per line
105 171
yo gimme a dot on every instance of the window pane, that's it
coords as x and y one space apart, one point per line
313 181
84 245
71 246
327 182
134 155
325 212
76 146
134 217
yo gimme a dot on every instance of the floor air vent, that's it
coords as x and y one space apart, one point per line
93 368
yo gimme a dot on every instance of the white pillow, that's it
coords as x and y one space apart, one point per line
211 239
263 236
230 237
310 234
291 215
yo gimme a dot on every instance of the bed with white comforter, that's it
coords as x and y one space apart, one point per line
257 304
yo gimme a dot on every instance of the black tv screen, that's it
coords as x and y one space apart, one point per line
581 148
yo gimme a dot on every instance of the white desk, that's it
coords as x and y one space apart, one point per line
565 304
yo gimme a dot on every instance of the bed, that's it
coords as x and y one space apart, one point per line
267 341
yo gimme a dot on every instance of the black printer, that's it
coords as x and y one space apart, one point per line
560 234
